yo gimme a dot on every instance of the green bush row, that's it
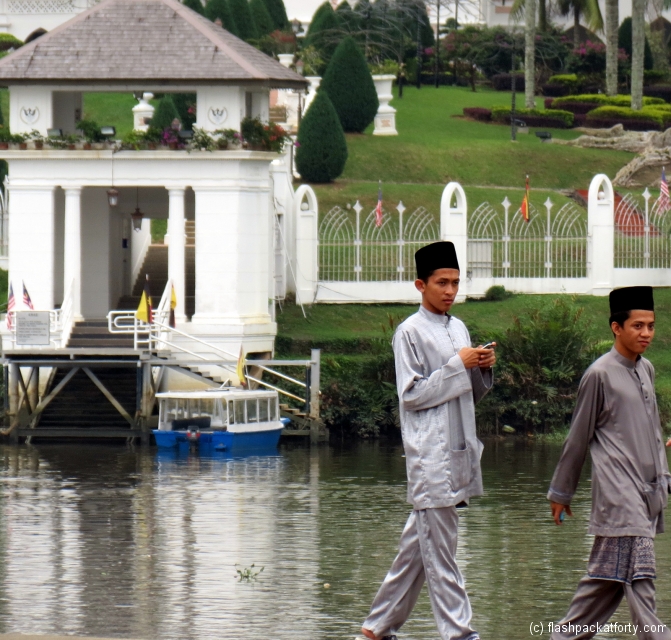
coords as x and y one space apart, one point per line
601 99
564 78
659 114
502 114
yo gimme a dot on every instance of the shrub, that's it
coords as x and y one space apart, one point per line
220 9
165 113
8 41
185 103
350 87
561 85
194 5
263 19
535 117
657 116
624 41
478 113
497 293
91 130
503 82
653 76
541 359
661 91
322 148
580 103
243 19
278 13
555 90
323 30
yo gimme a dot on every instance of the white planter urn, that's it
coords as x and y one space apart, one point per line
143 111
385 119
286 59
314 81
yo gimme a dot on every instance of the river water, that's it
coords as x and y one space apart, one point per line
97 540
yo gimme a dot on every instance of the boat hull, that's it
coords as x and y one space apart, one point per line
219 440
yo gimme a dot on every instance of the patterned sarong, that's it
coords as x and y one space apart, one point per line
623 559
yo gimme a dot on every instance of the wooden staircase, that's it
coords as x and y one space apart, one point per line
94 334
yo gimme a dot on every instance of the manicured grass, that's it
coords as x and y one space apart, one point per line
110 109
328 324
434 146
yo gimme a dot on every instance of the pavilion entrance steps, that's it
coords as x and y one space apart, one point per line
155 265
94 334
81 405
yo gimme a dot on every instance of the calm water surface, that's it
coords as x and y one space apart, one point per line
127 543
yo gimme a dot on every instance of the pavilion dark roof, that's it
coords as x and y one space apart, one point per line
145 42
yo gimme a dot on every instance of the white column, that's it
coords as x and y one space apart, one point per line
601 235
72 267
306 262
176 250
31 249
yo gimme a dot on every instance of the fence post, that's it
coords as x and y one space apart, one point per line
601 235
401 242
548 239
454 225
506 237
306 216
357 240
646 250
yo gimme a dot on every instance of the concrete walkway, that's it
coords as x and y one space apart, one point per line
20 636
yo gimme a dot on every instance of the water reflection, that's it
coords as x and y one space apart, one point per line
97 540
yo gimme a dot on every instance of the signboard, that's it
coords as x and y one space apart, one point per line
32 328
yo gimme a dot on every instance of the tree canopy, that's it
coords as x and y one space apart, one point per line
220 9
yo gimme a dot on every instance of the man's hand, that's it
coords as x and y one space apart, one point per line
557 510
489 359
471 357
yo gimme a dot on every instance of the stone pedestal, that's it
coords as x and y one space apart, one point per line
286 59
143 111
385 119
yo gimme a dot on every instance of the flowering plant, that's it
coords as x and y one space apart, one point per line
264 137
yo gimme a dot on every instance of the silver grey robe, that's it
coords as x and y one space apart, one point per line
437 397
616 417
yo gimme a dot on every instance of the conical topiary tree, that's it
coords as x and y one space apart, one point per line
324 32
244 21
278 13
348 18
350 86
263 20
185 103
322 149
196 5
165 113
219 9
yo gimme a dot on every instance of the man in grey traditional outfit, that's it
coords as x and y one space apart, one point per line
616 418
440 377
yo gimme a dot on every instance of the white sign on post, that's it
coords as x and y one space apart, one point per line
32 328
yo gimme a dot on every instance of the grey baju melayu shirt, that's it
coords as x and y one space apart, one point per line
616 417
437 397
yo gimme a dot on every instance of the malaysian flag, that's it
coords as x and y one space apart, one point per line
11 303
663 203
378 208
26 297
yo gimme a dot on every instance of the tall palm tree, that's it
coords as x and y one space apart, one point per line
637 52
587 8
517 12
612 24
530 53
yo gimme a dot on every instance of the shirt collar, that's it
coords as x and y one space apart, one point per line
625 362
439 318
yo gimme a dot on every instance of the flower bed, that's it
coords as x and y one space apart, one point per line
555 118
478 113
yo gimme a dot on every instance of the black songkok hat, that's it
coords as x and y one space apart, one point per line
439 255
629 298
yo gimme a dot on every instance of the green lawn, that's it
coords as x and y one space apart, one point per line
336 327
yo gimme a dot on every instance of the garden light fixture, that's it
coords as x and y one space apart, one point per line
137 215
112 197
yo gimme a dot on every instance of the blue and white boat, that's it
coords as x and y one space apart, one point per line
225 419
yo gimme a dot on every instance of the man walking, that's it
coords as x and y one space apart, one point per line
439 377
616 418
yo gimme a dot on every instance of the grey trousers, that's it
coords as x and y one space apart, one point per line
595 601
426 553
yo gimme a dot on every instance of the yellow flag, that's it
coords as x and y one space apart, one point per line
173 306
240 370
142 312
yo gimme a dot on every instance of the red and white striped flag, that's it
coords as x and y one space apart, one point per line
11 304
663 204
378 208
26 297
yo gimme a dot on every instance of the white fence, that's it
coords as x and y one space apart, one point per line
617 241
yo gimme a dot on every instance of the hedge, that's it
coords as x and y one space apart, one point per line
657 117
629 125
600 99
478 113
504 81
556 90
662 91
8 41
536 117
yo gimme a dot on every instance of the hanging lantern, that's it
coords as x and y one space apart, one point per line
113 197
137 217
